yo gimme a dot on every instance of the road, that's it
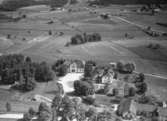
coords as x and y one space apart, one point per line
153 75
68 80
13 116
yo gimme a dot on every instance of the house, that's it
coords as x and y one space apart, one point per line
129 107
103 76
76 66
162 114
146 110
108 77
98 87
118 88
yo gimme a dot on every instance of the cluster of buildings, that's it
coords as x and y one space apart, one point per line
105 79
128 109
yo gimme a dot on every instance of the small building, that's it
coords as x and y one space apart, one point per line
98 87
102 76
108 77
162 112
129 107
76 66
118 88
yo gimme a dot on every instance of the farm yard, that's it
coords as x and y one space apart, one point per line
43 34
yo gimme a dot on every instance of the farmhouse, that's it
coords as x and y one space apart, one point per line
76 66
102 76
130 107
118 88
127 108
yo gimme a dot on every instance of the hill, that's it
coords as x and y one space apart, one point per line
11 5
130 1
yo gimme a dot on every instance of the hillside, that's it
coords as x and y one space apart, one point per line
11 5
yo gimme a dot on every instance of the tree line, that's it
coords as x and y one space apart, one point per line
16 68
84 38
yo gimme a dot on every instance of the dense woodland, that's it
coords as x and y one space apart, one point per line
22 70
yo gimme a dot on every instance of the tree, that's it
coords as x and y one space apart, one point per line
89 68
141 87
92 112
104 116
44 116
68 108
27 117
125 67
30 84
119 65
31 111
140 77
8 107
77 39
83 88
62 70
44 112
57 101
43 72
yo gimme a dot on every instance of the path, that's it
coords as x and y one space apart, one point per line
13 116
153 75
137 25
68 80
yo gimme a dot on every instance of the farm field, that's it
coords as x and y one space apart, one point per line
30 36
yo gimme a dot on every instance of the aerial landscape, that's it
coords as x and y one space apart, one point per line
83 60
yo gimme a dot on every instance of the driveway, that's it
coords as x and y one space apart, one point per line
68 81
